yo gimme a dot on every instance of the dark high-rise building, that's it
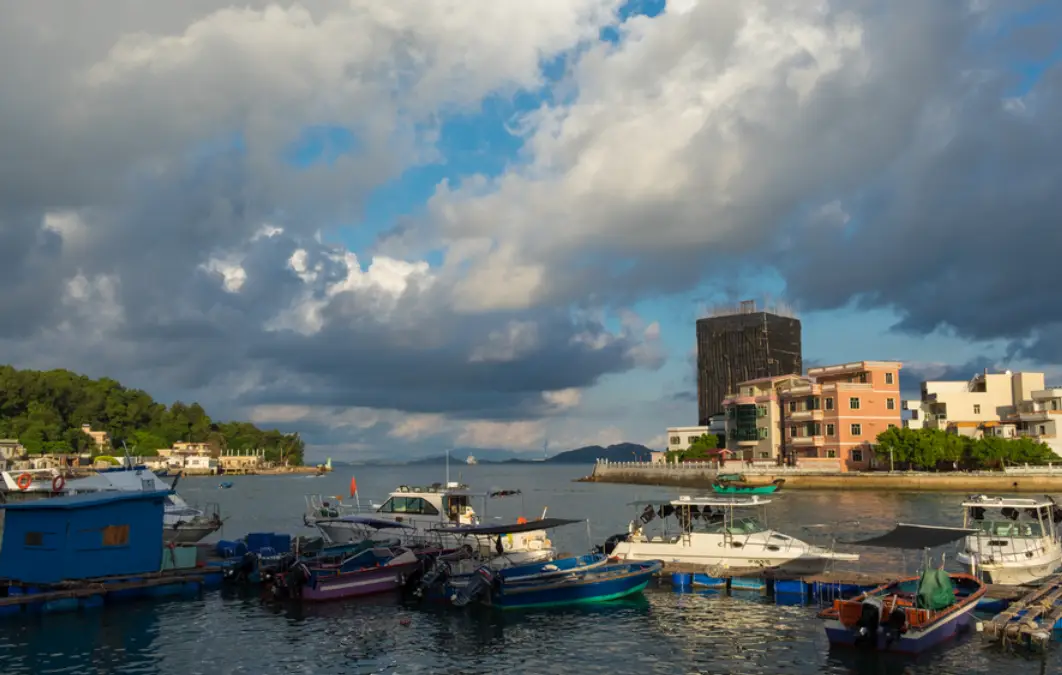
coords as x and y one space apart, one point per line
743 344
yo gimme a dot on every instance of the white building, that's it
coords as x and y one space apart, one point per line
681 438
994 404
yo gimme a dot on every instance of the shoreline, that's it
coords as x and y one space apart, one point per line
278 471
1029 480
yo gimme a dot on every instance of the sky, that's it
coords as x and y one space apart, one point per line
399 228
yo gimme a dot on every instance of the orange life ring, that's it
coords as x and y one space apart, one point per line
58 483
24 481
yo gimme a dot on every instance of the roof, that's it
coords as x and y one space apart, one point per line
378 523
909 536
515 528
85 500
985 501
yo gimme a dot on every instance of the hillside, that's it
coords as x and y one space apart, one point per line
44 410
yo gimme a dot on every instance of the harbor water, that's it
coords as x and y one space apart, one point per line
662 631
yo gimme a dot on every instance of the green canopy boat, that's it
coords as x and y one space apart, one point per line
736 484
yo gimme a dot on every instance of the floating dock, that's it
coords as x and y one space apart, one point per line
92 593
1031 619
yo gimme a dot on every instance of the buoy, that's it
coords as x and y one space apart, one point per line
24 481
521 520
58 483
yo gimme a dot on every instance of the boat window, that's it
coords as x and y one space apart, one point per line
1009 528
411 505
455 505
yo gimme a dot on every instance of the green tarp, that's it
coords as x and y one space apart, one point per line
935 590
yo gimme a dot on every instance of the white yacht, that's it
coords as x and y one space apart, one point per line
182 524
427 510
1017 539
706 531
471 460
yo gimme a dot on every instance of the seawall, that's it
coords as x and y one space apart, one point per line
1019 479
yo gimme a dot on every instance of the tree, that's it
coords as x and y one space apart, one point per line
928 449
700 449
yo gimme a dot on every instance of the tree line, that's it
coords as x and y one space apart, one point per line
933 449
44 410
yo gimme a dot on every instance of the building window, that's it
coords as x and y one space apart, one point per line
857 429
761 411
857 455
830 430
116 535
752 392
1043 430
892 426
914 414
863 378
890 403
691 439
977 408
853 403
829 403
34 539
762 432
675 440
792 432
889 379
792 406
831 453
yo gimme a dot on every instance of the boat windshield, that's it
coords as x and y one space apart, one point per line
739 526
1009 528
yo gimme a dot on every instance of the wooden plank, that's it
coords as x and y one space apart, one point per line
96 588
1040 603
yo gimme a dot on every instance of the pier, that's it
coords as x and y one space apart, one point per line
700 476
1031 619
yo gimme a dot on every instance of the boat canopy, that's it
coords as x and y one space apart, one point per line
515 528
720 501
983 502
378 523
909 536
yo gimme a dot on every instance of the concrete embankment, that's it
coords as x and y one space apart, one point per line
1045 480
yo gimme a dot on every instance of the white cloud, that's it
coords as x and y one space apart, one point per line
522 435
563 399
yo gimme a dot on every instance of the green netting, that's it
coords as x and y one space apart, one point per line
935 590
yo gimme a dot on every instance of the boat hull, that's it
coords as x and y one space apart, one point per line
744 489
800 563
1013 573
607 583
912 642
359 583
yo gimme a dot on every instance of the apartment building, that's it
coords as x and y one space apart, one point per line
1004 404
832 416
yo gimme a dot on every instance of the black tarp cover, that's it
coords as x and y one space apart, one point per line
905 535
515 528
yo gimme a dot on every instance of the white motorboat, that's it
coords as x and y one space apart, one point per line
428 510
707 531
182 524
1017 539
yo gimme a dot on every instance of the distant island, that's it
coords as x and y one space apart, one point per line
58 411
620 452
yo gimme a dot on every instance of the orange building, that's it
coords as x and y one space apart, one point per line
831 418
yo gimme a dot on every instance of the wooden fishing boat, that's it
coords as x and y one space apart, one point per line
600 584
737 484
909 615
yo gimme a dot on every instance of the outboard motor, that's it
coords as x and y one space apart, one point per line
482 581
243 571
291 583
612 542
894 625
868 624
436 576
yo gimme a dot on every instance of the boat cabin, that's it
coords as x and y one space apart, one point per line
449 503
711 515
1009 517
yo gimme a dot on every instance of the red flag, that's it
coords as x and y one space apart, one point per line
353 486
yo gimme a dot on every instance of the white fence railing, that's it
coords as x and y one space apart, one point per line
818 467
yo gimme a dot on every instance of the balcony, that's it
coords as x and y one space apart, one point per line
746 437
807 441
1047 394
804 415
804 390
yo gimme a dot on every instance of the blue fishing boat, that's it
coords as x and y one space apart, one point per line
911 615
225 484
600 584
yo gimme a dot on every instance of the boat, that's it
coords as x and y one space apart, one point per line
374 570
737 484
471 460
1017 544
913 614
182 524
430 510
457 568
598 584
225 484
707 531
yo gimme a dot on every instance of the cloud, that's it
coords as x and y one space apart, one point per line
169 218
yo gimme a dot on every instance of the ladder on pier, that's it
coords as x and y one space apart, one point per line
1031 619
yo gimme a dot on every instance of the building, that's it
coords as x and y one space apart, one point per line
739 345
657 457
11 449
102 439
1005 405
45 541
681 438
831 417
186 449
